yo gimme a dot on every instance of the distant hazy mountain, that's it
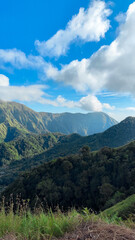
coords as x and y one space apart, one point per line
17 119
83 124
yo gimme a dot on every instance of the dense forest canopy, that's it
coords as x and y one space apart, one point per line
95 180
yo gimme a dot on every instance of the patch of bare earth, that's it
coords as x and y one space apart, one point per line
100 231
9 237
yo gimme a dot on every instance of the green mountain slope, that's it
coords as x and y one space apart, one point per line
123 209
116 136
86 179
18 120
26 147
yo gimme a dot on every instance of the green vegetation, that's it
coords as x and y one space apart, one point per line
45 225
124 209
26 225
95 180
23 154
17 120
26 147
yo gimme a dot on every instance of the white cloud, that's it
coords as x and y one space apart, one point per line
19 60
77 75
88 25
32 93
13 56
91 103
35 93
112 68
130 109
88 103
4 81
120 18
107 106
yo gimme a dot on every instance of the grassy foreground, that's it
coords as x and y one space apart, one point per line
28 226
37 226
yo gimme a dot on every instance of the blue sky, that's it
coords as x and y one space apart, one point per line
69 56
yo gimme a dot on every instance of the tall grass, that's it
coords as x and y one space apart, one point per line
25 225
36 226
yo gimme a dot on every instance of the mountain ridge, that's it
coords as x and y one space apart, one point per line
23 120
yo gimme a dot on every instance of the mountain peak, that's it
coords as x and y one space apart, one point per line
129 119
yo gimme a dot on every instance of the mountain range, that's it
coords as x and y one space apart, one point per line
18 120
51 145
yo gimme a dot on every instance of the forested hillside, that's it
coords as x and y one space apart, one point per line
95 180
27 146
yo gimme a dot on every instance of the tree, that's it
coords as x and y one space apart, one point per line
85 151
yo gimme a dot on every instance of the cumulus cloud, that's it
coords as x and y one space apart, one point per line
31 93
88 25
4 81
77 75
88 103
112 68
